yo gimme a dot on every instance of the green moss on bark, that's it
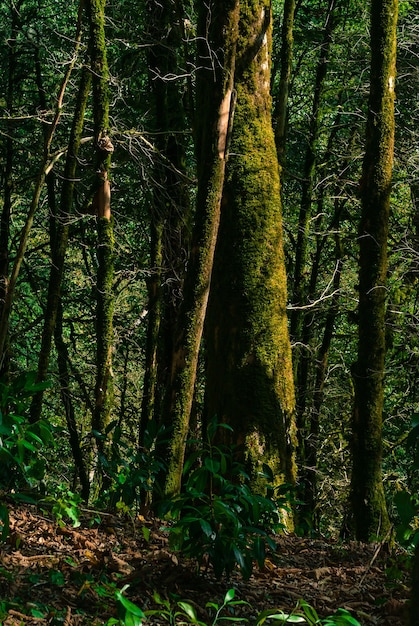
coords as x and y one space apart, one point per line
368 502
104 327
250 382
214 89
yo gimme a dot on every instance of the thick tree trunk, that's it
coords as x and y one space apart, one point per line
215 95
249 370
367 493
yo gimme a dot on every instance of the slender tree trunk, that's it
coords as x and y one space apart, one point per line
301 254
101 206
59 243
312 444
46 166
281 105
150 385
217 40
249 371
170 203
7 179
367 493
67 400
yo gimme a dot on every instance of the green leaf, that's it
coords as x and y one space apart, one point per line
34 436
129 606
206 527
189 610
309 612
229 596
342 617
132 620
267 472
27 445
212 465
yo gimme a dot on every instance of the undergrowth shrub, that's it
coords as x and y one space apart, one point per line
407 500
181 612
22 444
217 518
133 472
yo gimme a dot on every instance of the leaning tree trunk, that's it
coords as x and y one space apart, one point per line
101 206
215 97
249 370
367 493
59 241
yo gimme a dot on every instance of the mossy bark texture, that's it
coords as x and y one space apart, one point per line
169 201
249 369
368 501
101 205
218 29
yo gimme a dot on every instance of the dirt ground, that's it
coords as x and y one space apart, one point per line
52 574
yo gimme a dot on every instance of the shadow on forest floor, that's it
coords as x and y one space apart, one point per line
63 575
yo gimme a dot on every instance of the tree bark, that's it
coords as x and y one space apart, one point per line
101 206
215 96
367 493
249 371
281 104
67 400
170 203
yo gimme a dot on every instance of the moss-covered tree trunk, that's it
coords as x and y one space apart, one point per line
169 201
102 209
249 370
218 27
367 494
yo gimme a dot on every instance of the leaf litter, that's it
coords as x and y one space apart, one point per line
56 574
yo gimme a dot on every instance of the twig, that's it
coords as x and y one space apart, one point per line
375 555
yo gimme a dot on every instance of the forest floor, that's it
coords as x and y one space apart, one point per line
52 574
